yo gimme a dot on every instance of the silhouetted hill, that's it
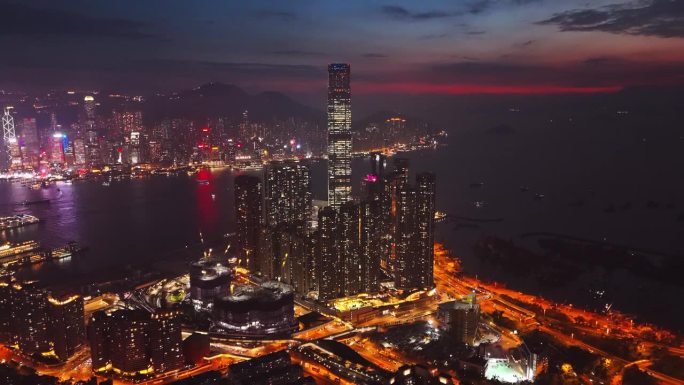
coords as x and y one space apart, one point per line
227 100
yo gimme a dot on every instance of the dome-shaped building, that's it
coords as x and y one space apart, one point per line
256 310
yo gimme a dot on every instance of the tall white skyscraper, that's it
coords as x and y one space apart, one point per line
339 135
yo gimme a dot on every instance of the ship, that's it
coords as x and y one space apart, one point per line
18 220
27 253
11 253
248 166
70 249
36 202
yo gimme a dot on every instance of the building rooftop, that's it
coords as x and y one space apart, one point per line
267 297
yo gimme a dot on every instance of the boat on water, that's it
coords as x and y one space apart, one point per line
18 220
66 251
9 252
36 202
202 181
440 216
30 252
248 166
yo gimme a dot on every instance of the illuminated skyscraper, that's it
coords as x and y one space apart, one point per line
99 339
415 234
328 262
339 135
57 147
67 328
29 142
370 244
89 107
165 341
425 184
31 319
79 152
291 255
460 318
132 342
7 324
129 344
287 194
40 322
249 217
393 183
10 140
349 247
265 257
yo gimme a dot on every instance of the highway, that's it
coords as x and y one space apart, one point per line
448 283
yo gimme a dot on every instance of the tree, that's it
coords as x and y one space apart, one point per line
634 376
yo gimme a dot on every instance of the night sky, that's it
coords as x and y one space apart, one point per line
396 47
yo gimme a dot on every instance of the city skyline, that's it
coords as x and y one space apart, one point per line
477 192
467 47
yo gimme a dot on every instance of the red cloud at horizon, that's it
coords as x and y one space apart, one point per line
465 89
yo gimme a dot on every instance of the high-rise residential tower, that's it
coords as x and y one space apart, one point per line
328 262
425 184
249 217
460 318
287 194
339 135
415 234
166 341
349 244
370 244
66 324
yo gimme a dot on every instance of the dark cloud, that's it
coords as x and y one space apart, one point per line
466 7
664 18
374 55
22 20
153 74
397 12
605 61
605 71
479 6
432 36
524 44
277 15
161 66
296 52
